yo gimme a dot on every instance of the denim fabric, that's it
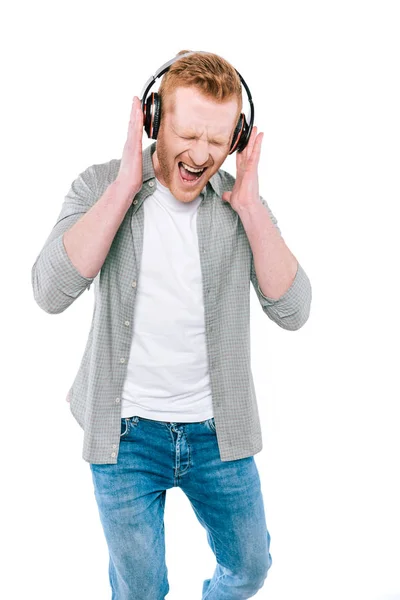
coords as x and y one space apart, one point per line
226 497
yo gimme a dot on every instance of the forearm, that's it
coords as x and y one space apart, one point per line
88 241
274 263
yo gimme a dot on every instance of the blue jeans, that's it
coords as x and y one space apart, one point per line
226 497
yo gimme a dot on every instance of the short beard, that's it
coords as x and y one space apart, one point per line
162 156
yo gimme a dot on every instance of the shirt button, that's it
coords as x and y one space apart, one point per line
135 202
117 400
114 445
151 183
127 323
121 360
133 283
113 454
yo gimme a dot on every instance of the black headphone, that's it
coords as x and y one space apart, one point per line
152 109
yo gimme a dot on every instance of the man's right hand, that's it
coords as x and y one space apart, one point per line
130 174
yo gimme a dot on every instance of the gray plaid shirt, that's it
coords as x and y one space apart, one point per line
227 268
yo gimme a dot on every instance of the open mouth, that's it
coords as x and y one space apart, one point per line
190 176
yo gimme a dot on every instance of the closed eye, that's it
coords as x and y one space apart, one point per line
193 138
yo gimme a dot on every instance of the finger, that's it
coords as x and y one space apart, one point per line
255 155
252 140
240 161
140 112
226 196
242 157
134 108
135 128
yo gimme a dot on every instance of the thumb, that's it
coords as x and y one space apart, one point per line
226 196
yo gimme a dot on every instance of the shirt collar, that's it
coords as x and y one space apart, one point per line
148 170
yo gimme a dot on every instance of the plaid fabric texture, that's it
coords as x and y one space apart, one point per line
227 269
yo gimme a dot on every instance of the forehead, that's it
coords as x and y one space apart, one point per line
190 109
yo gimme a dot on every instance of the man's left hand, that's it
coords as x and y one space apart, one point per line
245 190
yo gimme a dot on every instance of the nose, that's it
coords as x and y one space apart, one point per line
199 154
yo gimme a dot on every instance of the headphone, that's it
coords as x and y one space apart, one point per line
151 107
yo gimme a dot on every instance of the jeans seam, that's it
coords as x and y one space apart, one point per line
211 587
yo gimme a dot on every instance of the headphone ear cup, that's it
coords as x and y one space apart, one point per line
152 114
239 140
236 134
147 116
157 115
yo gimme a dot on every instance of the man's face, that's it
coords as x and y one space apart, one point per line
196 131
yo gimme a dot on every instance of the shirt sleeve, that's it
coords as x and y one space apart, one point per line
56 282
292 309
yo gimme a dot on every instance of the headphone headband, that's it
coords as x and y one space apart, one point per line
152 79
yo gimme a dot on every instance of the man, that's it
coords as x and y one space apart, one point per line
172 242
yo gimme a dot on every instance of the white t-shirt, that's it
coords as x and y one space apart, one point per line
167 374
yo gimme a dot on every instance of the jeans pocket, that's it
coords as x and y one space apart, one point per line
127 423
210 424
124 426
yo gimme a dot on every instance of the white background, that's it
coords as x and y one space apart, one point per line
325 82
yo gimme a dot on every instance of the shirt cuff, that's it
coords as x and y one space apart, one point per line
293 297
68 278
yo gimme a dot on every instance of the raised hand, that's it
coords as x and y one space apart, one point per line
130 176
245 190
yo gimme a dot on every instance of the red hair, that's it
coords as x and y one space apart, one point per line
211 74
